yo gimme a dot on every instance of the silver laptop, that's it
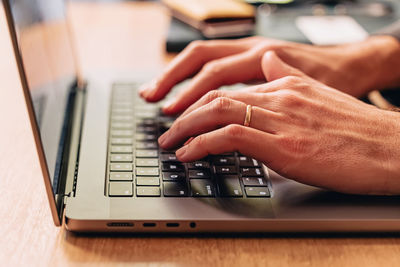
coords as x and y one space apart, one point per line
103 169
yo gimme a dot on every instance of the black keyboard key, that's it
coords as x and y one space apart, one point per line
202 188
168 157
199 174
257 191
223 160
245 161
225 169
252 172
198 165
173 189
167 151
254 181
172 167
174 176
229 186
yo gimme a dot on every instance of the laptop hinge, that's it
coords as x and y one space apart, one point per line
74 146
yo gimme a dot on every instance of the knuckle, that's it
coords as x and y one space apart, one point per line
200 142
211 95
292 80
212 68
221 104
177 126
291 99
196 46
234 132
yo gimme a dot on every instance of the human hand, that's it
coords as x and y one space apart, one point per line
352 68
300 128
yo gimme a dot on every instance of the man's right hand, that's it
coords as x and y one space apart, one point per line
355 68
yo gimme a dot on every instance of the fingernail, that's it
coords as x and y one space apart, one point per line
147 88
169 104
181 152
162 138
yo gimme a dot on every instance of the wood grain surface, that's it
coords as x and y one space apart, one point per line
27 234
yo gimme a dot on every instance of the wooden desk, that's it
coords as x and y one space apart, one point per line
27 233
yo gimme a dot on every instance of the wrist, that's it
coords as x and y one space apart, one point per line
391 148
381 55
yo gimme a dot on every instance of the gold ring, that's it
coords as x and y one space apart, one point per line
247 118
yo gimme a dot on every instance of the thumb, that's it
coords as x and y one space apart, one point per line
274 68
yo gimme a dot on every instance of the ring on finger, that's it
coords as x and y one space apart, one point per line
247 118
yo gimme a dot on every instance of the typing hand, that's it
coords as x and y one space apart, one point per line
352 68
300 128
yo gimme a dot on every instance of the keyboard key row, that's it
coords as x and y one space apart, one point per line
150 186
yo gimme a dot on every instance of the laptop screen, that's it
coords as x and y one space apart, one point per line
48 61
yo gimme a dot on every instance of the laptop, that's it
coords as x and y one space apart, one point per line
103 169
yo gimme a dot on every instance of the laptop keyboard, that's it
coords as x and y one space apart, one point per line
137 167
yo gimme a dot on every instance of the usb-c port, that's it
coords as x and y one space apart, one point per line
149 225
172 224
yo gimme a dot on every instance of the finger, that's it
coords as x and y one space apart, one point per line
248 141
274 68
229 70
218 113
189 61
242 95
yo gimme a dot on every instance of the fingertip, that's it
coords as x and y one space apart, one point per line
181 153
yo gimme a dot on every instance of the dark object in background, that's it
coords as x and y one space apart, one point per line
181 34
